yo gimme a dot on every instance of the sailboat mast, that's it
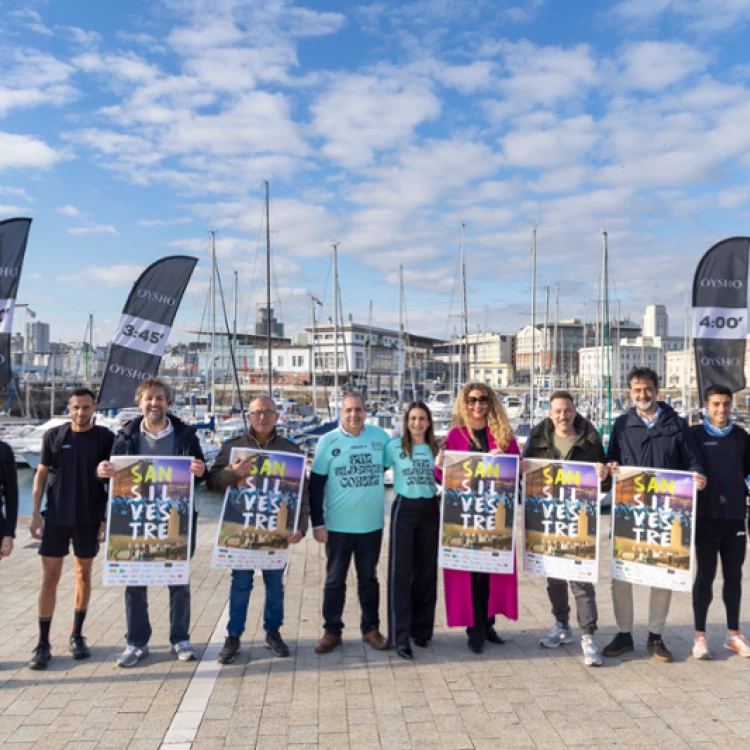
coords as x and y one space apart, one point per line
313 300
605 318
336 329
555 344
532 368
369 352
234 337
464 311
400 335
91 350
545 340
213 323
268 292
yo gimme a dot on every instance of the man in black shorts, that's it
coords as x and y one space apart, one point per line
76 509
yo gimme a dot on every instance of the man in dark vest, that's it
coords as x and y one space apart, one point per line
157 433
76 509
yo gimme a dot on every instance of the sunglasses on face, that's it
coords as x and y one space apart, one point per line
472 400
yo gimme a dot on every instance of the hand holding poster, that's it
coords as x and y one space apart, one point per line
150 521
652 527
561 519
260 512
477 513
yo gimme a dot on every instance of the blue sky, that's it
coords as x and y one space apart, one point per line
127 130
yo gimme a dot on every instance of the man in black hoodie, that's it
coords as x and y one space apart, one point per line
157 433
650 435
566 435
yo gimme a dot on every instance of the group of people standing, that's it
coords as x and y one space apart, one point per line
344 501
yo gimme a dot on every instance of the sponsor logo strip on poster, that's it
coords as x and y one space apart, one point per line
477 512
561 519
260 512
149 521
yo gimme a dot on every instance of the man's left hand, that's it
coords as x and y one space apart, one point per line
6 547
102 533
700 482
602 471
295 538
197 467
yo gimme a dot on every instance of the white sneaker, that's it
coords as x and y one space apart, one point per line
592 657
183 651
738 643
557 635
131 656
700 648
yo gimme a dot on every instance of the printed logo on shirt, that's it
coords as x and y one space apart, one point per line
402 456
740 533
378 446
66 447
336 452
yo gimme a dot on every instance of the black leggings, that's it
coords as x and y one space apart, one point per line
726 539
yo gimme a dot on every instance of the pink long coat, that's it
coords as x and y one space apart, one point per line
457 583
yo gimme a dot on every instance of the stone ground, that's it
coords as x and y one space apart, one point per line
516 695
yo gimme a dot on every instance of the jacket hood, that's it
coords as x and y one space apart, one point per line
542 434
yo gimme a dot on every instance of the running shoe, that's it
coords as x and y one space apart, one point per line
183 651
132 655
700 648
41 656
592 657
558 634
737 642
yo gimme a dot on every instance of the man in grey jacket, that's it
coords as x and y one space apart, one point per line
262 436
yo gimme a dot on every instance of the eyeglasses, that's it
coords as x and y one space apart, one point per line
472 400
262 413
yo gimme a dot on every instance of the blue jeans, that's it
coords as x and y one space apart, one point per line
239 600
136 614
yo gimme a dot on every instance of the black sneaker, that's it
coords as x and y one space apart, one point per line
230 650
78 647
658 649
41 656
275 642
476 645
619 645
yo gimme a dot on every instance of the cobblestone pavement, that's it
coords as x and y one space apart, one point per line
516 695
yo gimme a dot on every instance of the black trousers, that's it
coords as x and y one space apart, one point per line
412 569
728 540
480 599
366 550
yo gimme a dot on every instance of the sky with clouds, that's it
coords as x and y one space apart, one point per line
128 130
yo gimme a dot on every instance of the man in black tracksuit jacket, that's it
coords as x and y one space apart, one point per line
568 436
720 518
649 435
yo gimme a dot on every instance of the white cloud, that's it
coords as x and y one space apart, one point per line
18 151
475 76
701 16
93 229
108 276
537 75
559 144
31 20
652 66
164 222
70 211
362 114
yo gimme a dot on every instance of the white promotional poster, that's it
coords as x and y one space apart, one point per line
561 519
149 521
260 512
477 512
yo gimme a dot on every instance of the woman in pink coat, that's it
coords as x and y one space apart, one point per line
480 425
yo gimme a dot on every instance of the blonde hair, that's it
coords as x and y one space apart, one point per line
497 419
